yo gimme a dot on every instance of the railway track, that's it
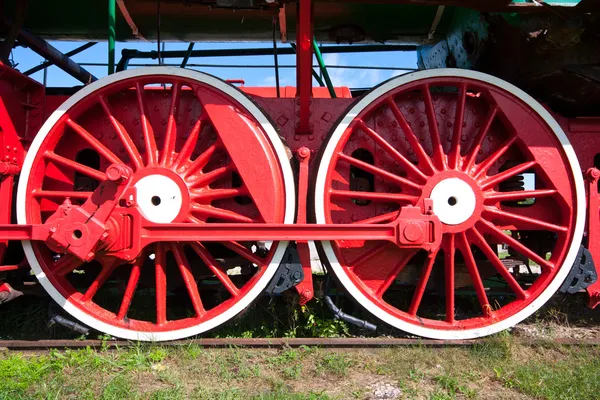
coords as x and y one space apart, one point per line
340 343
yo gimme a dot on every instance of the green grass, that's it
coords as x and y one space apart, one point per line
502 367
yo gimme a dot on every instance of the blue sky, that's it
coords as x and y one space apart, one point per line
252 76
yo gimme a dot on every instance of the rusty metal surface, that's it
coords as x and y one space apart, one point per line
340 343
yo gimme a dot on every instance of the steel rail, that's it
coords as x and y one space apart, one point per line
261 343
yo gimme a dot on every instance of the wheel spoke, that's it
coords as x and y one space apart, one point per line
74 165
497 264
368 254
212 264
422 156
494 157
519 195
518 246
390 150
244 252
387 217
215 194
201 161
171 132
422 284
438 150
61 194
379 172
134 277
219 213
188 278
95 143
465 249
522 222
485 128
454 154
147 131
449 267
212 176
66 264
400 265
160 264
124 136
189 145
373 196
494 180
99 281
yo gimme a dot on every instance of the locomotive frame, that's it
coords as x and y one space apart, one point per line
157 190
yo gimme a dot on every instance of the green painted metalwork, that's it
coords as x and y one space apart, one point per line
111 35
323 68
187 55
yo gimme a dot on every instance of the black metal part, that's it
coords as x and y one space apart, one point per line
9 40
582 274
339 314
289 273
47 64
128 54
52 54
54 318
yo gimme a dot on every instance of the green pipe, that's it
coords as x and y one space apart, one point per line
314 73
187 55
323 68
111 35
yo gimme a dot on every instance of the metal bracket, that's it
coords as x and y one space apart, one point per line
289 273
582 274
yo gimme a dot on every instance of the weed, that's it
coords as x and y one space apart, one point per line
334 363
452 386
118 388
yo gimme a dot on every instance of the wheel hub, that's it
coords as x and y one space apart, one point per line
454 201
159 198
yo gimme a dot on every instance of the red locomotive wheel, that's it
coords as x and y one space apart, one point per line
505 184
167 125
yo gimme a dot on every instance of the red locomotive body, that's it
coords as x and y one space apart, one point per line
157 203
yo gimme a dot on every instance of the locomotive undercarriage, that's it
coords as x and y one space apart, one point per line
158 203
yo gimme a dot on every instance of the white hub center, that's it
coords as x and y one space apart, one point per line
453 201
158 198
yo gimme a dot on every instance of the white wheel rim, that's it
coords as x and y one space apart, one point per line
236 308
380 313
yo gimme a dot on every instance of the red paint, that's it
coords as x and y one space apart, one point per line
304 59
205 146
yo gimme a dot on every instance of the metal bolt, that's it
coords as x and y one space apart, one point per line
117 173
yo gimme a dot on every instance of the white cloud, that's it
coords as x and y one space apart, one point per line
355 78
